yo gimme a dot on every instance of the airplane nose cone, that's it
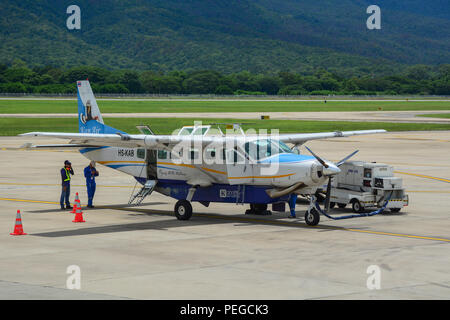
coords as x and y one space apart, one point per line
331 170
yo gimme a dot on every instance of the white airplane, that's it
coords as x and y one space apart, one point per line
203 165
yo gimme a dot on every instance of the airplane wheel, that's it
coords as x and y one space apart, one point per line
183 210
312 217
258 207
395 209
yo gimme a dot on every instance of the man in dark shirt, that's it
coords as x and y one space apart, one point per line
90 172
65 177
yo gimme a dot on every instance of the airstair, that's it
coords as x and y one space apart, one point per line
146 190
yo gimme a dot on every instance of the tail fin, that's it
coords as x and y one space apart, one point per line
89 117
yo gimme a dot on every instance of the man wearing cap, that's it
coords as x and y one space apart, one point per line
65 177
90 173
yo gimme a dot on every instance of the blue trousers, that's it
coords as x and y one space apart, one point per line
292 202
65 194
90 191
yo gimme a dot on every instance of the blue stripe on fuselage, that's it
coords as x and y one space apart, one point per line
286 157
92 149
116 166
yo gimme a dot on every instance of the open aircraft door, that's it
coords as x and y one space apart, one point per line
239 169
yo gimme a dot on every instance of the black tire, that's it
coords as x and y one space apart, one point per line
258 207
183 210
342 205
395 209
356 206
332 205
312 217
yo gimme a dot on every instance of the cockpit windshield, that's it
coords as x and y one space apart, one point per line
260 149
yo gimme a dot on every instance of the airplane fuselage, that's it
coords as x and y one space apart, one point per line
245 181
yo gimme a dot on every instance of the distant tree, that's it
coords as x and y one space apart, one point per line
113 88
294 89
330 84
94 74
441 87
3 68
130 79
13 87
419 72
271 85
17 74
312 84
201 82
444 71
288 78
350 85
223 89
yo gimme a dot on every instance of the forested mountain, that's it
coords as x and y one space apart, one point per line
261 36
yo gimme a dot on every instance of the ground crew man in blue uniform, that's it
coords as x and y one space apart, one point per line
65 177
90 173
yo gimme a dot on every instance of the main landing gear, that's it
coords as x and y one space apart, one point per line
258 209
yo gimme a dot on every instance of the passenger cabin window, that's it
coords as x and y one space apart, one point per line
211 153
140 153
162 154
193 154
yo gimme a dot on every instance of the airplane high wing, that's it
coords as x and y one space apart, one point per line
168 141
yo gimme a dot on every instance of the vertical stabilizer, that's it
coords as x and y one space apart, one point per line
89 117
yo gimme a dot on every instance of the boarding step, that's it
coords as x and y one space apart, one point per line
145 191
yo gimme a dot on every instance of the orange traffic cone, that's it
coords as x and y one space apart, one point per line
18 228
79 215
76 204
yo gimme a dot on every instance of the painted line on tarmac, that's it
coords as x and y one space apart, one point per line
271 222
423 176
52 185
427 191
25 200
330 227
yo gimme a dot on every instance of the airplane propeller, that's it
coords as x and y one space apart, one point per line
330 170
317 157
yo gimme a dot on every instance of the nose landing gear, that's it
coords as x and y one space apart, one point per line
312 216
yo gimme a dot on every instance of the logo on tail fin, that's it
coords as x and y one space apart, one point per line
88 113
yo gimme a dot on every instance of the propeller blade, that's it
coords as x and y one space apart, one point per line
328 194
317 157
346 158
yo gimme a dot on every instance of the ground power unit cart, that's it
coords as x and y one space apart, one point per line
367 185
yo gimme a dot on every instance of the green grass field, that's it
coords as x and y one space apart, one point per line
438 115
70 106
15 126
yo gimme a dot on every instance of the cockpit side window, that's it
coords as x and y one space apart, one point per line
260 149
